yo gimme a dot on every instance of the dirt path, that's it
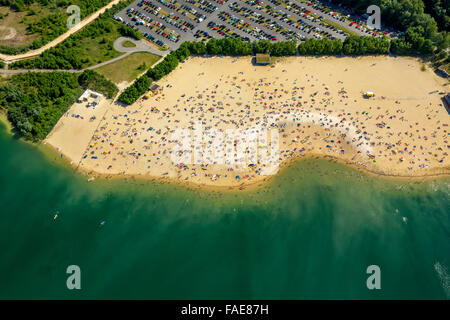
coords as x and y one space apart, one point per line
61 38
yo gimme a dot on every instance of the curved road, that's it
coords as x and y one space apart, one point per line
141 46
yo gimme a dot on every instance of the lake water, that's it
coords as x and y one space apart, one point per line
311 233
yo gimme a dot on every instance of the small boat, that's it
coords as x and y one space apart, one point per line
56 215
102 223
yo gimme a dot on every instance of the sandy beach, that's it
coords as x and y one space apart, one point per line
316 105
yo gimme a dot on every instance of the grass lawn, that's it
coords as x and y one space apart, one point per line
98 49
128 68
128 44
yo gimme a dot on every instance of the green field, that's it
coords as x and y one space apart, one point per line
99 48
128 68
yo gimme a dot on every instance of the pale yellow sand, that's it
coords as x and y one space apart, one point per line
315 103
71 135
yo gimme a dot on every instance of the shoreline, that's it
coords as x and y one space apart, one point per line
255 185
316 105
50 152
5 121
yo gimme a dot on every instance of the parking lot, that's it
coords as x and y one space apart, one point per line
167 23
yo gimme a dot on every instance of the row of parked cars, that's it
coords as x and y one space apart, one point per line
152 38
169 34
171 18
203 5
269 23
251 30
157 27
226 32
182 9
203 35
304 23
145 34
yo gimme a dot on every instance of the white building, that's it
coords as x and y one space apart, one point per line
90 94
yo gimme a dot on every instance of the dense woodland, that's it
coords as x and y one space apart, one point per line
51 26
36 101
440 11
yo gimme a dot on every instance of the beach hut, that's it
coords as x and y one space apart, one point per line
90 94
262 59
154 88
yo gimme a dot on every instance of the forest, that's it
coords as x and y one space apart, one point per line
36 100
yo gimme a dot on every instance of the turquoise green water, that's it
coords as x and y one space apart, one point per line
310 234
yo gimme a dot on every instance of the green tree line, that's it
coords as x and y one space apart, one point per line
233 47
36 100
